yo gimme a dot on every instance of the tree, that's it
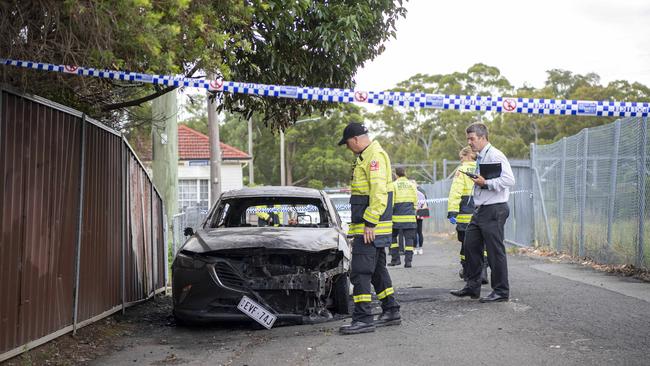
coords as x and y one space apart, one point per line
313 158
263 41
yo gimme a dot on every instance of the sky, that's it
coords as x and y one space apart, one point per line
521 38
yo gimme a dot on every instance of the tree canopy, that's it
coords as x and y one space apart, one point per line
262 41
312 156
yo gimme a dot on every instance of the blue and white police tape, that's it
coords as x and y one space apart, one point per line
282 209
445 199
340 207
402 99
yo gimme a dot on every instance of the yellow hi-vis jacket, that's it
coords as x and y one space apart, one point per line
270 218
406 202
461 203
371 196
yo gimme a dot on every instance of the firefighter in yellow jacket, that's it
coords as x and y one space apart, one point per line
371 229
406 202
460 205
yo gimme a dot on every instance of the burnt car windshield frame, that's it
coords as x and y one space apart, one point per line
250 201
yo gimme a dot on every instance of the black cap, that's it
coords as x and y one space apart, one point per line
353 129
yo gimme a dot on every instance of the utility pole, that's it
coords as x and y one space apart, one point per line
283 175
164 146
251 173
215 147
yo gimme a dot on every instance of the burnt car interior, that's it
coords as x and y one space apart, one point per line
282 211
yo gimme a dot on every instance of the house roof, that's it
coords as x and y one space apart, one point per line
193 145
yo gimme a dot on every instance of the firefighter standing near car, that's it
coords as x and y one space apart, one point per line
406 201
371 203
461 205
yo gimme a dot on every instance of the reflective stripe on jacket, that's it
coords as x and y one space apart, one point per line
460 195
371 197
406 201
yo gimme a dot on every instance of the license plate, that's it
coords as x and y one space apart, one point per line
256 311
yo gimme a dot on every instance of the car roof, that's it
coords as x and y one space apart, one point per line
273 191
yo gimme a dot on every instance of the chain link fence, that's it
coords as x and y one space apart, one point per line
586 195
519 230
191 217
592 193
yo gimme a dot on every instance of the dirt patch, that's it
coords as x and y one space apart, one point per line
100 338
626 270
89 343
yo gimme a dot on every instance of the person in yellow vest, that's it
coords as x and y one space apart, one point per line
461 205
267 216
371 228
406 202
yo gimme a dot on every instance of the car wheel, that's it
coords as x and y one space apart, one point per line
342 294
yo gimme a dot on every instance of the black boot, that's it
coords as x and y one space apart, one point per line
389 317
407 265
484 277
395 261
463 271
357 327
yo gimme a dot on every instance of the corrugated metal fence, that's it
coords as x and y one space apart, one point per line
81 227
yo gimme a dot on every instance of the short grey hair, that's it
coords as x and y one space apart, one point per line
480 129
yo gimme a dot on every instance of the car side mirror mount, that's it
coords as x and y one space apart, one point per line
188 231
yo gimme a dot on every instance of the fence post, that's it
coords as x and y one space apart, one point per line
532 189
1 117
435 171
77 262
540 195
125 212
444 169
561 198
583 196
612 182
166 247
642 191
154 261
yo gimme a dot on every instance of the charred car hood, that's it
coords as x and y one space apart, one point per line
307 239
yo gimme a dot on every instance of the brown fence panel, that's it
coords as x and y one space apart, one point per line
119 236
135 252
39 163
100 262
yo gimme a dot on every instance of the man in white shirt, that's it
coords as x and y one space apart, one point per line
488 221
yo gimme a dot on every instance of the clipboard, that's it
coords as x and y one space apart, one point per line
490 170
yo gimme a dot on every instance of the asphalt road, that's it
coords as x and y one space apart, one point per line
559 314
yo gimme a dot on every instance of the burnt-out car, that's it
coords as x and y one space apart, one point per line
282 247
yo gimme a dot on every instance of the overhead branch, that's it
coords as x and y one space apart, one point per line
139 101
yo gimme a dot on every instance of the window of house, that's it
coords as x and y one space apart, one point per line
193 193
